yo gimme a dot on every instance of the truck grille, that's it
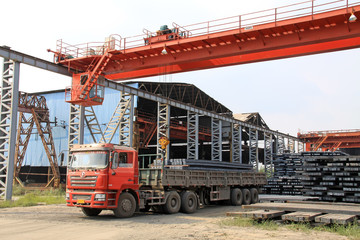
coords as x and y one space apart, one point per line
83 197
87 181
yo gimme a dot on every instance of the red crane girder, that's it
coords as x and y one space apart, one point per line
331 140
290 31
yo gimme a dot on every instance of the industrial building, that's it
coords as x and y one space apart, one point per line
35 165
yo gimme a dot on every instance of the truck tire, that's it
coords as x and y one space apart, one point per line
246 196
254 195
236 198
91 212
173 203
188 202
126 206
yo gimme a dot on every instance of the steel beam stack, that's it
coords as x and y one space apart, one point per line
287 168
332 178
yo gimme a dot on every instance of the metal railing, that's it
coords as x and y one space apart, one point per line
243 22
320 133
113 42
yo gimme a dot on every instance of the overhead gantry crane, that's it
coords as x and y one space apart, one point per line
295 30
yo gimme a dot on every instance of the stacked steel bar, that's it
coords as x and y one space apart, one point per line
332 178
286 175
206 165
288 172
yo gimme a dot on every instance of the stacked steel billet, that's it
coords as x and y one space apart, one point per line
206 165
286 175
332 178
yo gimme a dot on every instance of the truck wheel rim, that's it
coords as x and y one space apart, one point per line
126 205
173 202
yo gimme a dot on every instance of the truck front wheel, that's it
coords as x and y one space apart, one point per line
126 206
91 212
236 197
173 203
188 202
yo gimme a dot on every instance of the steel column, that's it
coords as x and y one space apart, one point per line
163 128
192 135
76 125
300 146
280 145
126 122
253 148
8 121
291 145
236 143
216 139
268 154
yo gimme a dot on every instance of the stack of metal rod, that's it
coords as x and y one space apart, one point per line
207 165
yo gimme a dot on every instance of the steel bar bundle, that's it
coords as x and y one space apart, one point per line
206 165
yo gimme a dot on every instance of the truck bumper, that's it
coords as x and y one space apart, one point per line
91 199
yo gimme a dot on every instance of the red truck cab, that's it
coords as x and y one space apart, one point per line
103 176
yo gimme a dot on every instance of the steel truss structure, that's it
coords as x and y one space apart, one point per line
291 146
93 124
37 114
8 117
236 143
76 125
268 154
280 144
163 129
216 139
122 118
192 135
253 148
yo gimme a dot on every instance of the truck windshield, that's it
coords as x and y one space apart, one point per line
93 159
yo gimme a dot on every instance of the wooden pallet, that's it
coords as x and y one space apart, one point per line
336 218
300 216
258 214
353 209
326 218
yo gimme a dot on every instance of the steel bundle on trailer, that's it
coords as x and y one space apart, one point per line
206 165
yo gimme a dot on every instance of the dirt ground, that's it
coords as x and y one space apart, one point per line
61 222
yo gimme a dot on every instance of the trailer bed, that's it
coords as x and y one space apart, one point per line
197 178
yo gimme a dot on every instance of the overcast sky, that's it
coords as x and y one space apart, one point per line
317 92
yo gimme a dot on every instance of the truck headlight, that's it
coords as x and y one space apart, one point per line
100 197
67 196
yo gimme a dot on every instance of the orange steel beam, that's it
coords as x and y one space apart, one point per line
317 33
324 37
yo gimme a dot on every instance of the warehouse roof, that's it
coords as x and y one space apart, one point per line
183 92
253 118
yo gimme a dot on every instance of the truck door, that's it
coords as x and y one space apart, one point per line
121 173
